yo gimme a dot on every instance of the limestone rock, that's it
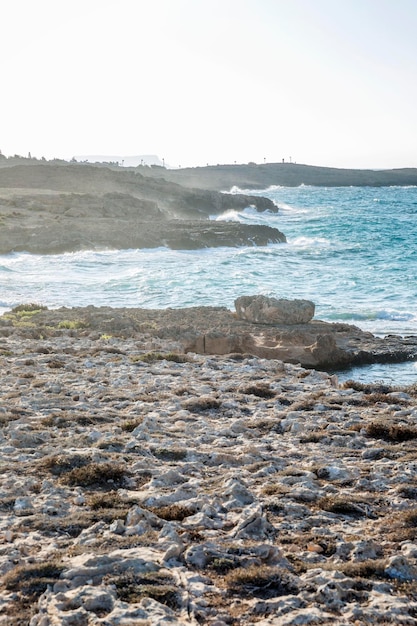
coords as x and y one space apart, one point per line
401 568
263 310
236 470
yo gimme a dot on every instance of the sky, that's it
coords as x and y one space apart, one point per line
196 82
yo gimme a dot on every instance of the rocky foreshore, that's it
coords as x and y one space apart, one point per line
143 483
216 331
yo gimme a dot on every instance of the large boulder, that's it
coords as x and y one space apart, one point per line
264 310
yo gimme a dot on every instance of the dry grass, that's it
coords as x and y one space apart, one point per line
62 463
66 419
154 357
71 525
77 470
96 475
261 390
7 503
56 363
204 403
408 491
223 565
30 307
107 500
344 505
27 583
371 568
173 512
388 431
131 587
129 425
170 454
260 581
273 489
401 526
306 403
314 436
104 545
32 579
5 418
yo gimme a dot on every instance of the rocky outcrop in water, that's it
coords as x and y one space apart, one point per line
46 208
66 234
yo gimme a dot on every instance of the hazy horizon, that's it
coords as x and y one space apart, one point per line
135 160
200 82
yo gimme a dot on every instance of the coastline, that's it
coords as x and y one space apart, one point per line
143 483
51 207
48 209
185 466
215 331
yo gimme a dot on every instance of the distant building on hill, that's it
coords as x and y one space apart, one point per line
124 161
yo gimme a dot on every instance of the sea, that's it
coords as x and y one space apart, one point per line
351 250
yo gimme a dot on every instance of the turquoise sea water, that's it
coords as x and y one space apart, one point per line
351 250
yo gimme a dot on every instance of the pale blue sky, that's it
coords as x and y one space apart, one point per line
325 82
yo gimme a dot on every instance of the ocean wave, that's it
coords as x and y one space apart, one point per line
238 190
231 215
271 189
308 242
248 214
381 314
291 209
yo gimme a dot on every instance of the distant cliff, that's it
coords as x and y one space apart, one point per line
224 177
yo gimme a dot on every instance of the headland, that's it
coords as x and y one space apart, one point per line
49 207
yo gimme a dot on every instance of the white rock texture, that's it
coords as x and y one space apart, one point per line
140 488
263 310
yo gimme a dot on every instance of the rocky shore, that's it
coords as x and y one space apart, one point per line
216 331
47 208
144 483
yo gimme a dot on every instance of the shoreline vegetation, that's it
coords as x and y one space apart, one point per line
141 482
50 207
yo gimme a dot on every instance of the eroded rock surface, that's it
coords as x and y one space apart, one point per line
217 330
141 485
263 310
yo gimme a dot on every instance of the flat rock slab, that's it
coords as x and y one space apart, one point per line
89 232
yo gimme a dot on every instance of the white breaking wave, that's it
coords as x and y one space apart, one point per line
290 209
308 242
250 214
228 216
